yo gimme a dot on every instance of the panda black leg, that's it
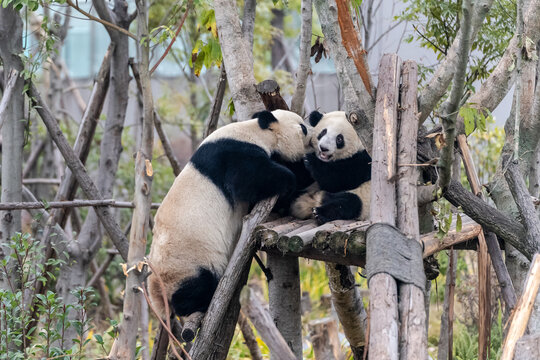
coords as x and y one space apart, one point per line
338 206
195 293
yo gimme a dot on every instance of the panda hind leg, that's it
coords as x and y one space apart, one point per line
338 206
195 293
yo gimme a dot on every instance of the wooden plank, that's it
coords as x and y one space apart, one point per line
520 317
383 339
413 330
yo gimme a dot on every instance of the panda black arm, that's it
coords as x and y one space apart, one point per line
338 206
255 177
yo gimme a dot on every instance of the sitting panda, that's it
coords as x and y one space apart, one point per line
200 218
341 168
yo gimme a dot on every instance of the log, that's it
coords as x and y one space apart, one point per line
204 346
349 306
249 337
284 300
412 314
69 204
269 92
192 323
355 252
528 347
259 315
484 278
323 334
520 317
383 309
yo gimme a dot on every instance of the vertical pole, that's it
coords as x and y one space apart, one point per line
383 341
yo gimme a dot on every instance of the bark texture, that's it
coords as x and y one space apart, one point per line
238 60
124 346
383 338
11 30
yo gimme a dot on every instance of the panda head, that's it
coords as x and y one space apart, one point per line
334 138
291 135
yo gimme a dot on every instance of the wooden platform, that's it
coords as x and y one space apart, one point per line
343 241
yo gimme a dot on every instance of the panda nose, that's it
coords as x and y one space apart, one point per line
323 149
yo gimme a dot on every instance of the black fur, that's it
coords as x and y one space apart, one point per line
314 118
340 175
265 118
303 180
195 293
341 205
243 171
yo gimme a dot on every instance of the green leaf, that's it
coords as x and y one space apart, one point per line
459 223
467 113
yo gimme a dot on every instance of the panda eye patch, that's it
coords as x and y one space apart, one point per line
304 129
340 141
321 134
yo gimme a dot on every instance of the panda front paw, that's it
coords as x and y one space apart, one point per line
318 214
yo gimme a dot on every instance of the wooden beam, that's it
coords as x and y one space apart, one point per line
520 318
383 307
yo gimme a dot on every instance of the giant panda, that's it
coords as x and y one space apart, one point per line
200 218
341 167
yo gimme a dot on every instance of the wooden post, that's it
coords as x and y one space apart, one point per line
349 307
484 278
260 317
323 334
284 300
383 340
412 314
520 318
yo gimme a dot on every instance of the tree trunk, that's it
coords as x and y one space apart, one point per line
284 300
238 59
124 346
11 29
383 307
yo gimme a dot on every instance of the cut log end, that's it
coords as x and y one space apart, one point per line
191 325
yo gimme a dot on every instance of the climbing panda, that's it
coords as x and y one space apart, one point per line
200 219
341 168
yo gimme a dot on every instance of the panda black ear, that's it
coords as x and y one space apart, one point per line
265 118
314 118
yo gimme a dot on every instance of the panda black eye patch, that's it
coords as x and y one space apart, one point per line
321 134
340 141
304 129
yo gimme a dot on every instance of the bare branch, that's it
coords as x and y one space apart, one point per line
454 101
173 39
107 24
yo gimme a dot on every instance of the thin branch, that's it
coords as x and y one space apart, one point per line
384 34
103 22
69 204
173 39
449 121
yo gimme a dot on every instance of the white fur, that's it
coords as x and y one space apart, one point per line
195 225
335 123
